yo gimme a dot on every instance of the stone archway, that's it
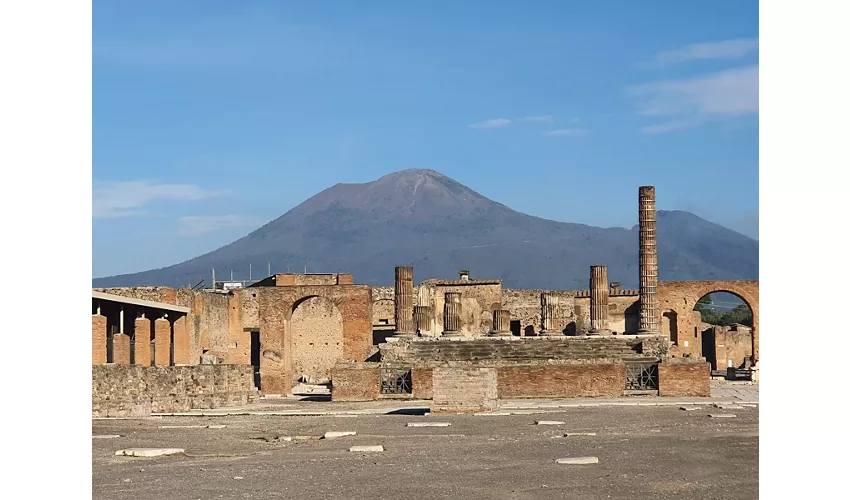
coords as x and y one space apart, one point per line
681 297
317 338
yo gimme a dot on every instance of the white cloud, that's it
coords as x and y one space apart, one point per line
721 95
567 131
727 49
197 225
539 119
122 199
494 123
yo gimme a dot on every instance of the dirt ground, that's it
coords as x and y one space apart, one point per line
643 452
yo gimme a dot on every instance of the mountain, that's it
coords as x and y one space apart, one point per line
425 219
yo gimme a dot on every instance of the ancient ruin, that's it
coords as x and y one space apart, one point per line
464 343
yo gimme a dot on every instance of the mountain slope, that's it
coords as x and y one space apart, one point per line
425 219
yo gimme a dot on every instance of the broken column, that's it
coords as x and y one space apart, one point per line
121 349
501 323
550 315
599 300
98 339
649 311
181 341
404 302
451 315
162 342
422 319
143 341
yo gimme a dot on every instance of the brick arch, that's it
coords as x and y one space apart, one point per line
682 296
276 306
317 340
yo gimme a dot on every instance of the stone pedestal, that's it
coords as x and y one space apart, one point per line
550 315
120 349
599 300
404 325
98 339
501 323
423 319
451 315
648 255
162 342
143 341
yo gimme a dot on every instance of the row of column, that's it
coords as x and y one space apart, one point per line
408 320
145 342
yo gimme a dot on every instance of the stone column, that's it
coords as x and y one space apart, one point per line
404 302
422 319
98 339
599 300
162 342
649 311
451 315
550 315
143 341
501 323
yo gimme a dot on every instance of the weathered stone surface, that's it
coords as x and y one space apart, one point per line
549 422
452 311
648 261
683 378
572 434
429 424
599 299
404 301
464 390
722 415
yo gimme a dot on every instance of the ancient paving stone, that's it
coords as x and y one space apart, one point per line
571 434
338 434
429 424
549 422
366 448
106 436
722 415
149 452
578 460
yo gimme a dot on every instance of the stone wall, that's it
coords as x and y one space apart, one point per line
317 339
356 382
464 390
682 377
136 391
562 381
421 381
545 350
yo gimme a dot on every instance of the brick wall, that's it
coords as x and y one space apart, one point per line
464 390
356 382
421 380
478 301
98 339
562 381
678 377
136 391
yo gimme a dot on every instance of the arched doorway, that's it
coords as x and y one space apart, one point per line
317 339
725 329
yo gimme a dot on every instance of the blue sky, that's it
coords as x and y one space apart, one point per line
212 118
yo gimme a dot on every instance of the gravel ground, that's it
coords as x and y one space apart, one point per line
644 452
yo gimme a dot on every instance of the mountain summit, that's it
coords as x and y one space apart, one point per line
438 225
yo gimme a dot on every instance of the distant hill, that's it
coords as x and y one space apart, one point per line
428 220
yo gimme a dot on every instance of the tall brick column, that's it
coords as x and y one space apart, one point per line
423 318
181 341
599 300
143 341
404 301
98 339
550 315
121 349
451 315
649 310
162 344
501 323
